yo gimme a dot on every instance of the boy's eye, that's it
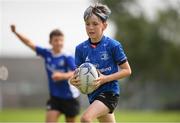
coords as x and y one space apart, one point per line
87 24
92 24
95 24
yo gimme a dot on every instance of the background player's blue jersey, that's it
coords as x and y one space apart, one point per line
62 63
106 57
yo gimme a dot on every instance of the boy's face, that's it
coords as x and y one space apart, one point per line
95 27
57 42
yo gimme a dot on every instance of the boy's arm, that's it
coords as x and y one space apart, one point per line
62 76
23 39
124 72
65 76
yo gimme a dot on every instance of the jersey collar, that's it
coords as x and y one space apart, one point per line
56 55
95 45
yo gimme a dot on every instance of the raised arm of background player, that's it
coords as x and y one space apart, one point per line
56 75
23 39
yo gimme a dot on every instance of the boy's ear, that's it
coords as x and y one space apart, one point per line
50 41
105 25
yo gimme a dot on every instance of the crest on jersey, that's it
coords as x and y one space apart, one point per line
48 59
104 56
51 68
61 63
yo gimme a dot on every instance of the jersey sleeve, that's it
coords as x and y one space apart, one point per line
40 51
119 55
78 56
71 63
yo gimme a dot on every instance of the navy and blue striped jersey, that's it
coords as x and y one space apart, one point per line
62 63
106 57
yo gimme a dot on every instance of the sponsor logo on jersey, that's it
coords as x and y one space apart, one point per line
105 69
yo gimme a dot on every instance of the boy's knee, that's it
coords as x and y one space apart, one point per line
86 118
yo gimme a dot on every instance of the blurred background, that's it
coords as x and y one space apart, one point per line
148 30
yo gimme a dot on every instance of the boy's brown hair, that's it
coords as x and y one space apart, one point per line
55 32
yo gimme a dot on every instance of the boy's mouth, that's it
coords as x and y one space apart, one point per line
91 33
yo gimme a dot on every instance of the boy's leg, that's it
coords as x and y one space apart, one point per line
52 116
108 118
96 109
71 110
70 119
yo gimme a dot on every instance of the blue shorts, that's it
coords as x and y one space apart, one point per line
109 99
69 107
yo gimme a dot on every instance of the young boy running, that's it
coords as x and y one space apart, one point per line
109 58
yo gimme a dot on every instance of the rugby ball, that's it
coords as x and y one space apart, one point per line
87 73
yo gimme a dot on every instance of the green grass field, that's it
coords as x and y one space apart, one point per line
37 115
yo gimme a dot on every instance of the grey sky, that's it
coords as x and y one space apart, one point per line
36 18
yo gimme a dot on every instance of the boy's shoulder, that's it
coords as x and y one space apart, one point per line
107 40
66 53
83 44
112 42
43 49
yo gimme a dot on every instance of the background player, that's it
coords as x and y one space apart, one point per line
109 58
59 67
